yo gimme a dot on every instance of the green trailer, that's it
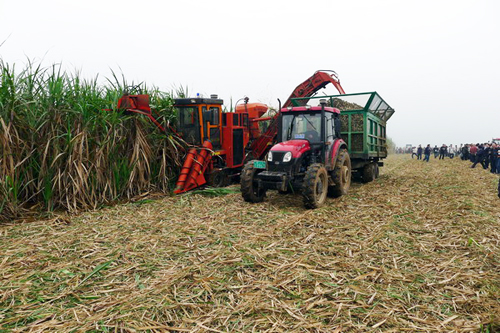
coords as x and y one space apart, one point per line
364 117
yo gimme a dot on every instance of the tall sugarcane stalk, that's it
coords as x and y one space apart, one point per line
59 149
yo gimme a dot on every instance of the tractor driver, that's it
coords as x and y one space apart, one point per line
311 133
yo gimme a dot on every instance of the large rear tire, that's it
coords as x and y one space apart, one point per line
249 187
341 175
315 186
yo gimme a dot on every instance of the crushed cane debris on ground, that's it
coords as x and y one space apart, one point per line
416 250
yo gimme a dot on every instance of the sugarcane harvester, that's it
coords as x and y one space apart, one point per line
219 140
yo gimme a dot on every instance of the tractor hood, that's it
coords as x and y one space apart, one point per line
296 147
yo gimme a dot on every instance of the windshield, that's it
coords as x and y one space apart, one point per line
302 126
187 125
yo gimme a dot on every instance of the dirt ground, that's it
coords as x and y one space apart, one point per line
416 250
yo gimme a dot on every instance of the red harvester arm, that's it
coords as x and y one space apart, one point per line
306 89
310 86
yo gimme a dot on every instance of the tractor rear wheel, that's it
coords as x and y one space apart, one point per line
315 186
341 175
249 187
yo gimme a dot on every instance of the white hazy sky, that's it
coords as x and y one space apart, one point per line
436 62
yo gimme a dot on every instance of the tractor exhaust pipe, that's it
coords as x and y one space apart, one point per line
323 130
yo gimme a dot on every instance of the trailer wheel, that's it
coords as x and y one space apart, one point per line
377 170
249 187
341 175
315 186
368 173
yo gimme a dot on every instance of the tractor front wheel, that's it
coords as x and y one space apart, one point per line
249 186
315 186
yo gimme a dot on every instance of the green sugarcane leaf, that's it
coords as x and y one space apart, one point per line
96 270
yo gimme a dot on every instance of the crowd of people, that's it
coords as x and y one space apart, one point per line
485 154
424 153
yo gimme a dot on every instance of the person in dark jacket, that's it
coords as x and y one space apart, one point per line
487 151
479 157
435 150
498 160
442 152
465 152
427 153
493 157
419 152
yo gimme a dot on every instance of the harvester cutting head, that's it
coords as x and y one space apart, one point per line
193 170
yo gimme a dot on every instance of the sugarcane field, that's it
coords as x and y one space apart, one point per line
265 166
415 250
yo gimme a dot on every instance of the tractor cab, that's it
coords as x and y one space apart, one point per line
199 119
305 129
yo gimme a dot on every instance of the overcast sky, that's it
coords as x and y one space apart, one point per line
437 63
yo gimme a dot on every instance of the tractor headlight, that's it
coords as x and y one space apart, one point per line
270 157
287 157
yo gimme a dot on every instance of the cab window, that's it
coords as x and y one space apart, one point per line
214 114
188 124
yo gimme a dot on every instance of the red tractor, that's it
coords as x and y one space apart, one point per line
310 157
